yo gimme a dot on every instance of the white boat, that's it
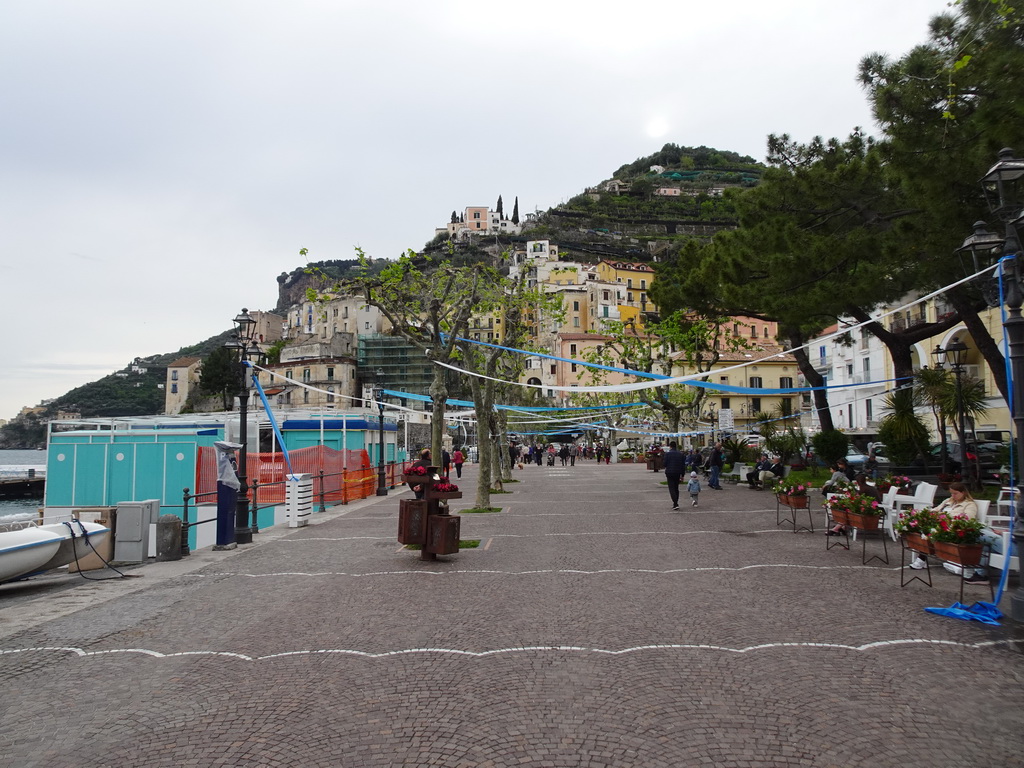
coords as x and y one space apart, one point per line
37 548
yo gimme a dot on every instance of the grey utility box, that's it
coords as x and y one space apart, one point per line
298 499
134 522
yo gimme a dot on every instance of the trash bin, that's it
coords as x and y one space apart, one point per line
168 538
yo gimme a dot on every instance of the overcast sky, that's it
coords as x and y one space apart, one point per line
162 162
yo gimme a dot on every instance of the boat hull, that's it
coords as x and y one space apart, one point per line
42 548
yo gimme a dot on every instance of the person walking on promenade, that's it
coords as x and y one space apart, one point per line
675 466
458 459
694 488
693 460
717 461
563 454
446 463
574 451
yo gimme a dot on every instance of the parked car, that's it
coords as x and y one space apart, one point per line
856 460
989 455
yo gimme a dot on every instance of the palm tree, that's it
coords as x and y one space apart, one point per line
904 434
932 387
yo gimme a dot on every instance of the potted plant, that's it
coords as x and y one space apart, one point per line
901 482
945 478
915 527
957 538
857 509
655 459
796 494
443 489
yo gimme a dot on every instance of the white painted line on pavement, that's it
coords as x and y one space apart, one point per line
548 571
879 644
547 535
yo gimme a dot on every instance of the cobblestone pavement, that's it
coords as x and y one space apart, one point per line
592 627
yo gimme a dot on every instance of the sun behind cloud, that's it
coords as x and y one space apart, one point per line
657 127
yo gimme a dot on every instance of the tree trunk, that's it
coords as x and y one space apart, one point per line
813 379
485 448
506 463
983 340
439 396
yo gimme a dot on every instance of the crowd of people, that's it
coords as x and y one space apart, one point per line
564 454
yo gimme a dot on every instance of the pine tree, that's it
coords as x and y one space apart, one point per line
499 206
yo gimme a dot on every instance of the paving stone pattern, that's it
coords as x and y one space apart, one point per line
592 627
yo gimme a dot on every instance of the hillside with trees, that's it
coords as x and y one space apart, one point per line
627 217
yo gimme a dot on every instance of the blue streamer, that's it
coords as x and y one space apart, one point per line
734 389
531 409
273 421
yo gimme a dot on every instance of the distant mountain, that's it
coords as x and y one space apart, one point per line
135 390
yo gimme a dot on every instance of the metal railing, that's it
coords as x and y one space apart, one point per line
185 524
352 488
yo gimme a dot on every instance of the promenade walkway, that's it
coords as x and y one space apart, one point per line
592 627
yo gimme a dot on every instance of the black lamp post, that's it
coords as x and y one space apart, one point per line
245 342
378 396
955 354
1002 187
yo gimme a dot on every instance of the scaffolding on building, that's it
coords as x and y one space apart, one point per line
404 367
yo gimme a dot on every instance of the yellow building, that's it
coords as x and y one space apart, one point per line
760 370
636 278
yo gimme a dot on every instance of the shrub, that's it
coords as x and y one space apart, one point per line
830 446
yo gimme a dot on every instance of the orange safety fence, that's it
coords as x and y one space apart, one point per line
347 475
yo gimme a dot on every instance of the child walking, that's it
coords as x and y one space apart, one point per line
694 488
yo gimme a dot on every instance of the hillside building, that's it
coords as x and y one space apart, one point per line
182 377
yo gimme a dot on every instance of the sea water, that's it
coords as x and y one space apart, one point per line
20 509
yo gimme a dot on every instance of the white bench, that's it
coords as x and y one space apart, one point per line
737 474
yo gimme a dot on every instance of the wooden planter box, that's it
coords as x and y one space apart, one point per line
412 521
841 517
863 522
961 554
918 543
432 494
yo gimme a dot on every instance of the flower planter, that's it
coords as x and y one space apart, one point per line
783 498
961 554
863 522
442 494
798 502
918 543
417 479
841 516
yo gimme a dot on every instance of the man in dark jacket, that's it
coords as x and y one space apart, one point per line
675 466
754 475
717 461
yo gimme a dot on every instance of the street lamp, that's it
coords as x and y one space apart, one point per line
378 396
244 340
1002 187
955 354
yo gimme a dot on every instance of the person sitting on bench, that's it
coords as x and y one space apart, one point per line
754 476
